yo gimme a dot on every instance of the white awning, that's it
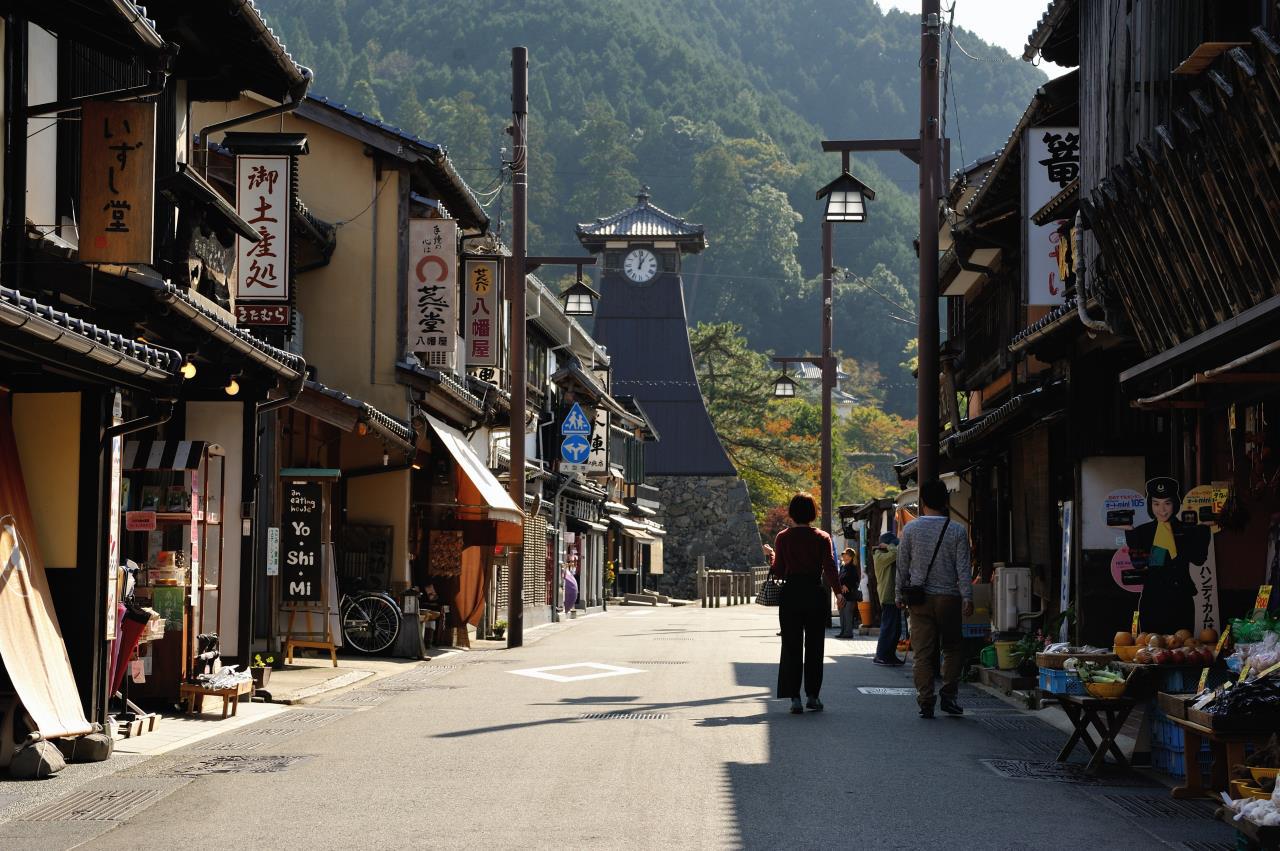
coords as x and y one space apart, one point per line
501 507
632 529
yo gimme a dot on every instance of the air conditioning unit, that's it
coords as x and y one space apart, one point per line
1011 593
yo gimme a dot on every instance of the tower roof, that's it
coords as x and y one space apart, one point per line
644 221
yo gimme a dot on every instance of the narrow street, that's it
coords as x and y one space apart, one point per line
576 740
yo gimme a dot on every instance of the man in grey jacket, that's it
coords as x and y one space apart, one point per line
948 595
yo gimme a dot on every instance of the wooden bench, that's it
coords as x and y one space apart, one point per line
193 695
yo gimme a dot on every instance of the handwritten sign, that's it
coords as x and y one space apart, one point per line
1134 628
263 186
1263 599
300 538
139 521
117 182
262 314
433 291
483 319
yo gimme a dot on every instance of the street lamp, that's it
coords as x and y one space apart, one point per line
846 199
580 299
784 387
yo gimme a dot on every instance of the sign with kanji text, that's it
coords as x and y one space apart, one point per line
1050 161
598 460
483 319
117 182
262 314
263 186
433 290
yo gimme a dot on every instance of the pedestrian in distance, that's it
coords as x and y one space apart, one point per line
803 558
934 586
850 579
885 560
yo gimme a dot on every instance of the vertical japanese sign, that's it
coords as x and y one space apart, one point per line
263 184
433 291
300 542
1050 161
483 312
117 182
1064 582
598 460
113 517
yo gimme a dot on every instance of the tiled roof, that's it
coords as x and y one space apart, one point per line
1057 13
644 220
438 156
109 348
268 356
384 425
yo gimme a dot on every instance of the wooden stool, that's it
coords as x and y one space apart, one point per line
193 695
1086 712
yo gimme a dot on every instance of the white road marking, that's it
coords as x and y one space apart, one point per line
599 669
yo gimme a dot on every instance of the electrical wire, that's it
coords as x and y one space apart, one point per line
385 181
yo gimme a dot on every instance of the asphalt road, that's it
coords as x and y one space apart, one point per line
466 752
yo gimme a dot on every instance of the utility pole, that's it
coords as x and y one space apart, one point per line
927 391
516 354
828 371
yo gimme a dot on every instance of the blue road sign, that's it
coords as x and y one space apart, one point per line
575 449
576 422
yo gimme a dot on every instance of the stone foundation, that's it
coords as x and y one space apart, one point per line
704 516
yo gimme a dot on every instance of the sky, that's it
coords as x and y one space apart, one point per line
1006 23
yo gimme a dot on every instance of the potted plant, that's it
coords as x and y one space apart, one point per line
498 630
1024 653
260 669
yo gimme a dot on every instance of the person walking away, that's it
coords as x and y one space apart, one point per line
850 579
885 559
803 557
933 584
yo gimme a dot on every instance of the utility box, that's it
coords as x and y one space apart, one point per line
1011 595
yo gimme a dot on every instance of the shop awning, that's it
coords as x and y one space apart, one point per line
487 490
31 645
166 454
573 524
632 529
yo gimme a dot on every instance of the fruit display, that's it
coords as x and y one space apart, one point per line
1180 648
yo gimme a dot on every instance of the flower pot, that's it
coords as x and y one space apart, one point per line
498 633
864 613
261 676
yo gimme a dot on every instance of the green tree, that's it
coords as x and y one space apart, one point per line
605 181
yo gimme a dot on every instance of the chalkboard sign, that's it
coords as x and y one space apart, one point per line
300 542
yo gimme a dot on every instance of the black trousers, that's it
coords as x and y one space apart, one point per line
804 615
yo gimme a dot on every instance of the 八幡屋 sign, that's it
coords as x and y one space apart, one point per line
433 291
483 312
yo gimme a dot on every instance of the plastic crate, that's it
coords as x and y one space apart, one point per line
975 630
1178 680
1060 682
1172 761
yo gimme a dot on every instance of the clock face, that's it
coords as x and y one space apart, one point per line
640 265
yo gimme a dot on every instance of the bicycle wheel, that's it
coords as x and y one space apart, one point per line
370 623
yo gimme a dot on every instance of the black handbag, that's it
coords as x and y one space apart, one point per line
913 595
770 593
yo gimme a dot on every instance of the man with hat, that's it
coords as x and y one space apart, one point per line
1162 553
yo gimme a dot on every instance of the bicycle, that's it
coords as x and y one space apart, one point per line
370 621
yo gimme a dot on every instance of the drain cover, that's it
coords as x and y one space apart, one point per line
1039 747
1059 772
268 732
1210 846
94 805
237 764
656 662
362 698
882 690
1005 725
623 716
309 717
234 745
1163 807
666 638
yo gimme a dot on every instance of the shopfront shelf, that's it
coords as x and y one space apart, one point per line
1060 682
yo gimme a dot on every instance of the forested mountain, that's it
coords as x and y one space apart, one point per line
717 105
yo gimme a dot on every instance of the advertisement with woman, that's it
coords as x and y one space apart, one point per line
1166 554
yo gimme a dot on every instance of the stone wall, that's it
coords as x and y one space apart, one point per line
704 516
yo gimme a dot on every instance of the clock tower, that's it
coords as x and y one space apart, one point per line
641 320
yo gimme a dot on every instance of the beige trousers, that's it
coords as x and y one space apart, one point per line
936 628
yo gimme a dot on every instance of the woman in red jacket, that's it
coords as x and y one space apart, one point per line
803 558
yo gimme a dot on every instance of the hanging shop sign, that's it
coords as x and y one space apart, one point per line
113 516
1050 161
1064 584
263 185
598 460
433 291
301 520
117 182
483 320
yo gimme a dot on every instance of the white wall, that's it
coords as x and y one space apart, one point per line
42 136
223 423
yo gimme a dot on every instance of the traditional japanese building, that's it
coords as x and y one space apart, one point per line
642 322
